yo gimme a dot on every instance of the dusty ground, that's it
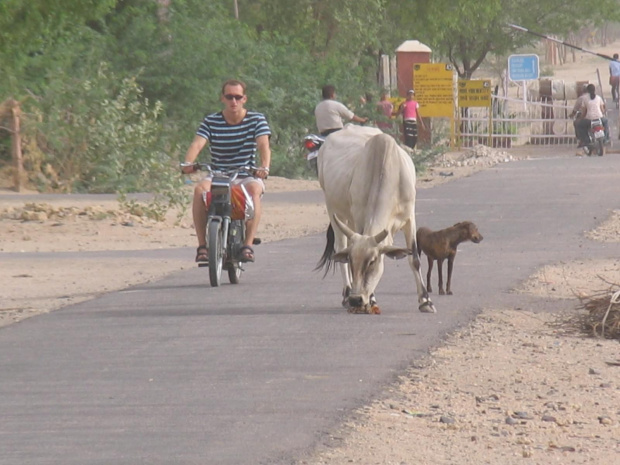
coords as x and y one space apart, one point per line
516 386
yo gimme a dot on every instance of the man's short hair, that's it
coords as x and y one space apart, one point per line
328 91
615 56
233 82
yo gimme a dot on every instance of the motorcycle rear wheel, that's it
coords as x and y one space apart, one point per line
236 237
216 252
234 274
600 147
313 164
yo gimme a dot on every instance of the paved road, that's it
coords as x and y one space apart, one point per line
261 373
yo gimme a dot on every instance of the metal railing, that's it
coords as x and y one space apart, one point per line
514 122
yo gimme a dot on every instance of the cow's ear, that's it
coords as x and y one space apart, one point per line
395 253
341 257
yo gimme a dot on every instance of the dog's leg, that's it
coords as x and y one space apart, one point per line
439 271
428 274
450 264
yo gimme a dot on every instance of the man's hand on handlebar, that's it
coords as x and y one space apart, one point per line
189 168
261 173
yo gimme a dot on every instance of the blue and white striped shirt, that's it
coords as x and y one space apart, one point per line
233 146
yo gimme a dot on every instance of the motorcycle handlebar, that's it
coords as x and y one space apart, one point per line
197 166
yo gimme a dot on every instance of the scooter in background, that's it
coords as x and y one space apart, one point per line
313 143
596 138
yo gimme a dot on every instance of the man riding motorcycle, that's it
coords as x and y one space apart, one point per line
593 107
233 135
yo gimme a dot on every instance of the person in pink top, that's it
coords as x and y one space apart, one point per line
385 109
410 109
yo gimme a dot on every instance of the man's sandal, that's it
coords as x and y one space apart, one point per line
202 254
246 254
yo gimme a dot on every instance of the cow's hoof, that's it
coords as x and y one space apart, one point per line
427 307
375 310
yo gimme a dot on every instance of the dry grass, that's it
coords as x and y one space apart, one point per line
602 313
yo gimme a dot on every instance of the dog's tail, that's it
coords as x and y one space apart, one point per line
326 260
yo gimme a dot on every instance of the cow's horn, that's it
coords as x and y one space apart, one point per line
381 236
343 227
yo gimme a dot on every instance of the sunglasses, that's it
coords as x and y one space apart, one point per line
232 96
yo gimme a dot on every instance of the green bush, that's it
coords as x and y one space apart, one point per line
100 135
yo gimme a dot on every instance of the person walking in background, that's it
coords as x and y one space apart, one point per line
614 77
330 114
410 110
385 109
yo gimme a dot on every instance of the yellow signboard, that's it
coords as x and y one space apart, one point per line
434 88
474 93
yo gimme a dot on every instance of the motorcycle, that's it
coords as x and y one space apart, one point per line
313 143
596 138
228 207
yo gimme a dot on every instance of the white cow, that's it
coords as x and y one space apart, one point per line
369 186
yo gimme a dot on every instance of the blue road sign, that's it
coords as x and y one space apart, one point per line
523 67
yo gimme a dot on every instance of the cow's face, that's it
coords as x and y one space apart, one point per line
365 255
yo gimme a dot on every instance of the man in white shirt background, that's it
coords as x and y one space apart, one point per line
331 115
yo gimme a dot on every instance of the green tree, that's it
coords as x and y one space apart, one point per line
466 31
322 25
31 29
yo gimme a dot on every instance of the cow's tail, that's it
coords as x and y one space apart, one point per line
416 244
326 261
416 252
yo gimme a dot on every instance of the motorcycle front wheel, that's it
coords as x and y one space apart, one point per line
216 252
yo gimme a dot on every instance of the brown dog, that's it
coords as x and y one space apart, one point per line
439 245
